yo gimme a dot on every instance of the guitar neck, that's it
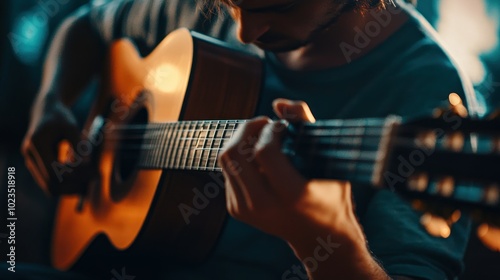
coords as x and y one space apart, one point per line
353 150
407 157
185 145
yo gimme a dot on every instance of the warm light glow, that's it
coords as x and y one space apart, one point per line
435 226
490 236
469 31
455 99
164 78
457 105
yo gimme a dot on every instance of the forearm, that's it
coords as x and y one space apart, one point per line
338 256
74 57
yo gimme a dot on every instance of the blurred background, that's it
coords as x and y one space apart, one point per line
471 29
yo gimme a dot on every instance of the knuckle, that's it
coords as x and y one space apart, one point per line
260 120
300 103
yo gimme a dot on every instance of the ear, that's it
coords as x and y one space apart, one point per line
293 111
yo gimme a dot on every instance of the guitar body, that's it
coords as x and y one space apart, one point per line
129 211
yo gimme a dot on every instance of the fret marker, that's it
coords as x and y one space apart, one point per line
446 186
418 182
492 195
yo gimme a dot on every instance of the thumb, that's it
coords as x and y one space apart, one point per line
293 111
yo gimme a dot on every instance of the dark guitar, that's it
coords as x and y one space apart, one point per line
160 123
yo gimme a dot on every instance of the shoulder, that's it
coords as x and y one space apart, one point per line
426 73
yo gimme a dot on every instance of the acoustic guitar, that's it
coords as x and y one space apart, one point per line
159 123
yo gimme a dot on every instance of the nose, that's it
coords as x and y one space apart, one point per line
251 27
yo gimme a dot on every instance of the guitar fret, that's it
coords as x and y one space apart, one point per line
209 145
185 152
160 145
231 128
166 146
187 141
171 145
180 146
200 147
217 143
195 141
175 163
175 154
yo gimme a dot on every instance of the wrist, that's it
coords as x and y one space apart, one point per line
339 252
348 236
330 257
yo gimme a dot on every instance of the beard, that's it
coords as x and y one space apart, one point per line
280 43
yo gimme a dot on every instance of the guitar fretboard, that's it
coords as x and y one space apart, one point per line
353 150
187 145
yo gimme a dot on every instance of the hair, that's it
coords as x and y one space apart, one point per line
359 5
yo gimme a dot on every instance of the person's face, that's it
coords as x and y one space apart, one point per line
283 25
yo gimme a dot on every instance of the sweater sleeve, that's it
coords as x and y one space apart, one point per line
147 22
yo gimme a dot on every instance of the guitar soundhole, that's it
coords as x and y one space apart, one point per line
128 154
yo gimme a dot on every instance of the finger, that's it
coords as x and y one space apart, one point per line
246 132
275 165
245 179
58 168
38 163
293 111
235 199
238 162
40 181
232 182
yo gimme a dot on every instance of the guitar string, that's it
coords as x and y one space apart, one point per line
181 151
339 141
339 161
324 124
155 135
197 154
342 141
